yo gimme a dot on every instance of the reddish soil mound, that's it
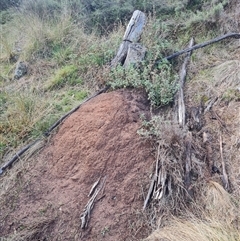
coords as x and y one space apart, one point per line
99 140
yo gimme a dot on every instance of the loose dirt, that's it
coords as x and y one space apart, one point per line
99 140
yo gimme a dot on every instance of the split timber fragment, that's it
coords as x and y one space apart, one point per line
85 216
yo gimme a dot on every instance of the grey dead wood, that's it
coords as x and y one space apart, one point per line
94 187
210 104
209 153
85 216
135 54
132 35
153 181
183 73
188 163
224 172
201 45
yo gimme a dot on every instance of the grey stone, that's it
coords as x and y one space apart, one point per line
21 70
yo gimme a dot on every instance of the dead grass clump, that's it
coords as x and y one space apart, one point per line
39 229
218 220
221 81
169 194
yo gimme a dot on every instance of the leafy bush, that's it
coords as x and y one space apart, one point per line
159 81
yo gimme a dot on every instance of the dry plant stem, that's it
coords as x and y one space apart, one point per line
183 73
153 181
222 124
188 163
198 46
211 103
209 158
225 176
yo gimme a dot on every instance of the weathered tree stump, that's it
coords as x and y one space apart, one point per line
136 53
132 36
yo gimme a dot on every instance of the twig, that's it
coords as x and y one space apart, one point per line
94 187
222 124
225 176
210 104
85 216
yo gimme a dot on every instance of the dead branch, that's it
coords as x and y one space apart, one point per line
150 191
201 45
153 181
94 187
181 105
221 122
225 176
210 104
85 216
209 155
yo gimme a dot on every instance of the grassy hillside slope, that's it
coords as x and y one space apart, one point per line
67 47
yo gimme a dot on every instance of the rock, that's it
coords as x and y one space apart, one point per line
21 70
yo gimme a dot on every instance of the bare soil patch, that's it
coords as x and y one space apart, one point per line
99 140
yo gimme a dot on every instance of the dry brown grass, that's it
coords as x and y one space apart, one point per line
218 220
39 229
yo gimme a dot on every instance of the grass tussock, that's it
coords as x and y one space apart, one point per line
38 229
217 220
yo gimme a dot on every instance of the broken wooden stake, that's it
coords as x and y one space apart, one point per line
183 73
132 35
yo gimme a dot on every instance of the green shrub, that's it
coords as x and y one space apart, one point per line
159 81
